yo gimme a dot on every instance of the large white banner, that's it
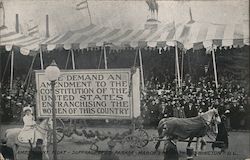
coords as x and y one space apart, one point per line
98 94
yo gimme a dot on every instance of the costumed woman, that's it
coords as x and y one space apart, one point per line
27 133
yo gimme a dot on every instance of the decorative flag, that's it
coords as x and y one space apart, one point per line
30 28
33 30
83 4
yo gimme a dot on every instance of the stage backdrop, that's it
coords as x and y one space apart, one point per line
90 94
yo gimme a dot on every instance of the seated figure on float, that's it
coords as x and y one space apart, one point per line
28 131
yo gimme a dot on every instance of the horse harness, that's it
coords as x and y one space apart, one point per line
210 123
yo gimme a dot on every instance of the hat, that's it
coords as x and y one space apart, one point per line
27 108
227 111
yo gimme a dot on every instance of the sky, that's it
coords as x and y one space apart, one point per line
63 15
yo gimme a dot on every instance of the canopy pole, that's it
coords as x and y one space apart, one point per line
136 54
177 64
5 68
11 70
41 58
30 69
141 68
100 60
105 57
182 65
67 61
215 69
73 59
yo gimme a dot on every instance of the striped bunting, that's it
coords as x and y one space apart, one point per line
195 35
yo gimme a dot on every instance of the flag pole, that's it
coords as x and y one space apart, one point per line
105 57
90 18
215 69
177 64
47 26
11 69
1 6
73 59
141 68
41 58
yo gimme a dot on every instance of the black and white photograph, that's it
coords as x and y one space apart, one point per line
124 80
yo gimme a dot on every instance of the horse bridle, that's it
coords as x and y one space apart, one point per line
209 123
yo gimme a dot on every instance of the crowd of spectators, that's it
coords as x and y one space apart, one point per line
193 97
160 99
13 101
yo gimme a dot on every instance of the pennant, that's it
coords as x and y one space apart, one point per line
82 5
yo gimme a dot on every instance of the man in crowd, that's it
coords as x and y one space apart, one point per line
191 110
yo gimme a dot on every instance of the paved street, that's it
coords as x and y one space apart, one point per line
69 150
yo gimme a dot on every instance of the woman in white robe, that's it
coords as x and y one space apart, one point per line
27 133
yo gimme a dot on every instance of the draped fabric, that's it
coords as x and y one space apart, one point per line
194 35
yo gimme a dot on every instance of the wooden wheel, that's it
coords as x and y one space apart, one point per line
59 132
144 137
132 140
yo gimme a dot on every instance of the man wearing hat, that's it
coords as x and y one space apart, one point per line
27 132
190 110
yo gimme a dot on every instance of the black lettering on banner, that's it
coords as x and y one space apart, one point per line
85 97
101 90
114 77
47 110
87 94
71 111
101 83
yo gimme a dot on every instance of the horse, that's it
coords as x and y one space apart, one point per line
183 128
11 136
